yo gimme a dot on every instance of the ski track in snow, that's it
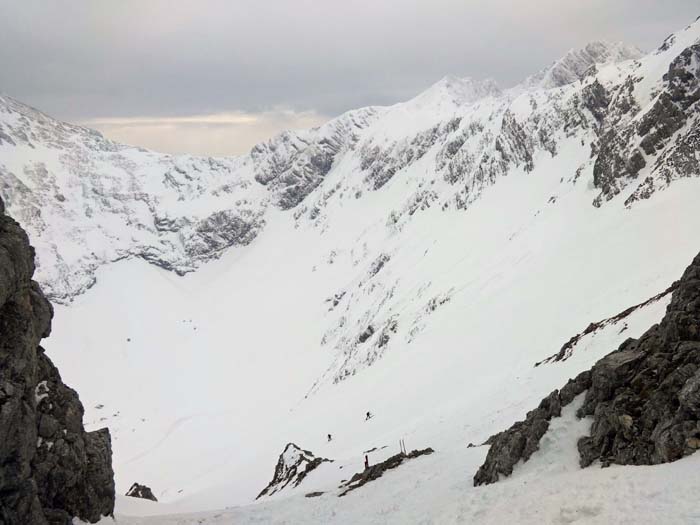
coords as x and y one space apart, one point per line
172 428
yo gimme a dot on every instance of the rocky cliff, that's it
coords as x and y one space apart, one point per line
643 398
51 469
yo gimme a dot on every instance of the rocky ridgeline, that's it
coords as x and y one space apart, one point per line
51 469
643 398
293 465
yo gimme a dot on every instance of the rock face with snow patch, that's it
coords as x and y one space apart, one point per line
293 466
663 138
293 164
52 470
141 491
644 398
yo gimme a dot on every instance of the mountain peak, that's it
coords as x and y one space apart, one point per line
462 90
574 64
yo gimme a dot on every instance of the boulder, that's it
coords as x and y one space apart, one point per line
141 491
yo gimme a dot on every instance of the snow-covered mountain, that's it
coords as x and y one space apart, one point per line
415 260
577 63
88 201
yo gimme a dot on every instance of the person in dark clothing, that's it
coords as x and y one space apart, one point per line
330 438
366 461
369 416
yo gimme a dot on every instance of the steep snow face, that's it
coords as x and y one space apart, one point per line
440 248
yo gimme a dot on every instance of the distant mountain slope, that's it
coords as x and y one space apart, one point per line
87 201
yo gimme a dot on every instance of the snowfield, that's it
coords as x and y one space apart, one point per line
414 261
216 365
550 488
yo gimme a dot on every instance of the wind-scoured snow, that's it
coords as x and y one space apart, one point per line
414 261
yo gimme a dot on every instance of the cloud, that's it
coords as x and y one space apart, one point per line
84 59
219 134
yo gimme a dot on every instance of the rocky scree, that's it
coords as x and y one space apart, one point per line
51 470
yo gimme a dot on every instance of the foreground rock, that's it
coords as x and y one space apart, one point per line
293 465
644 398
51 469
141 491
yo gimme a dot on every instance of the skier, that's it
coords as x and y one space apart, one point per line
330 438
369 416
366 461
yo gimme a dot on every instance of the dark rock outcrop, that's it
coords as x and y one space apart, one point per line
522 440
366 334
644 398
293 465
141 491
51 470
224 229
376 471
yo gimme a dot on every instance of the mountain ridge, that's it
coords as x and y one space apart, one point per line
181 233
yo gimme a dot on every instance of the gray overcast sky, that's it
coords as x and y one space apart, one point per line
215 76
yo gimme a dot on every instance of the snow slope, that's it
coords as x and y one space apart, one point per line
550 488
415 261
